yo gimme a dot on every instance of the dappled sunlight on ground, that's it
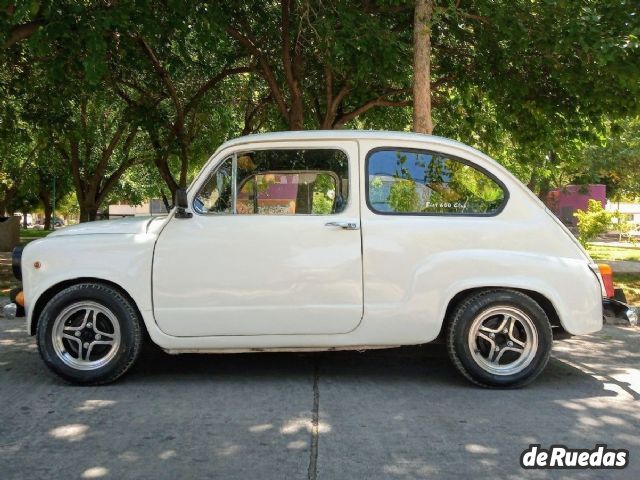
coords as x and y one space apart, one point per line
95 472
70 433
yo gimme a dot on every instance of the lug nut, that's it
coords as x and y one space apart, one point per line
504 331
86 344
89 325
509 344
77 334
492 335
98 336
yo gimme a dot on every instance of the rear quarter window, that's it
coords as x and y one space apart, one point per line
417 182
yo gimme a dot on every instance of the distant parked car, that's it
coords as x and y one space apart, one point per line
306 241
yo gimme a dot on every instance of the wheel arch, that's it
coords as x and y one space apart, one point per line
53 290
544 302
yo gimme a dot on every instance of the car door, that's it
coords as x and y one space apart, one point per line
273 247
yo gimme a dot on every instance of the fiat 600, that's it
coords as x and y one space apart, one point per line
304 241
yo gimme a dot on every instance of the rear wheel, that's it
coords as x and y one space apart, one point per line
89 334
499 338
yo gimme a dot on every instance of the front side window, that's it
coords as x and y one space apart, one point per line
420 182
278 182
216 194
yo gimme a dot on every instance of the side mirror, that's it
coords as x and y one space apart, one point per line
182 203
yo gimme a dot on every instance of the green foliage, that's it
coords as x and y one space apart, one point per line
542 86
324 194
403 196
595 221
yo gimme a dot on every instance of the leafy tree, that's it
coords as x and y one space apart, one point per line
169 62
98 142
543 86
17 158
325 63
615 160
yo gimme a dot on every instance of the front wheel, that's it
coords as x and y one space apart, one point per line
499 338
89 334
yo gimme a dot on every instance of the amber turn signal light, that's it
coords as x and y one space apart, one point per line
20 298
607 278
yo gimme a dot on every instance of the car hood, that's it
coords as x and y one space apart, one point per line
130 225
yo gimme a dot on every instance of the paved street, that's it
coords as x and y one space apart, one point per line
397 414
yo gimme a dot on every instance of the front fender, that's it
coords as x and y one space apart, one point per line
122 259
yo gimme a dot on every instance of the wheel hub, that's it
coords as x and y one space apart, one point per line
86 335
503 340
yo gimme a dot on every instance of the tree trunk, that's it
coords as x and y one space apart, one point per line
88 212
24 220
296 114
184 163
423 15
6 199
48 210
45 198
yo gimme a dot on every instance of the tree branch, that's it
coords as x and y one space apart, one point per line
74 158
23 31
212 82
380 101
164 76
108 151
267 71
122 168
286 45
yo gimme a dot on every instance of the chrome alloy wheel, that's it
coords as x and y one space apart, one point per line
503 340
86 335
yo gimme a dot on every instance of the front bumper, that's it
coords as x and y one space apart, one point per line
14 308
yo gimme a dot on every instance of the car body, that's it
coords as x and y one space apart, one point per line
348 252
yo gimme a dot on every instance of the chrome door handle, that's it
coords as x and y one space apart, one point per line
343 225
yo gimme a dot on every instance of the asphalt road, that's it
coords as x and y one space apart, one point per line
396 414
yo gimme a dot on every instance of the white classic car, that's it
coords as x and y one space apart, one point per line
303 241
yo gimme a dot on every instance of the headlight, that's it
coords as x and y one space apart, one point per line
16 262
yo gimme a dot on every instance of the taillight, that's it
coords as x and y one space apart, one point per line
607 278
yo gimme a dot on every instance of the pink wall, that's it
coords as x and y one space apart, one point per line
565 201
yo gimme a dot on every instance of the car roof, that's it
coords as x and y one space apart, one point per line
344 135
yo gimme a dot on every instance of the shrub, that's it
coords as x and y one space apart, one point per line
595 221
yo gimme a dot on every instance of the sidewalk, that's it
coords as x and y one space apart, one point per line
622 266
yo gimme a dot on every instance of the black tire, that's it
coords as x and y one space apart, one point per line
120 358
480 304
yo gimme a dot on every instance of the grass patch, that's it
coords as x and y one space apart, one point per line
27 236
630 283
32 233
599 252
